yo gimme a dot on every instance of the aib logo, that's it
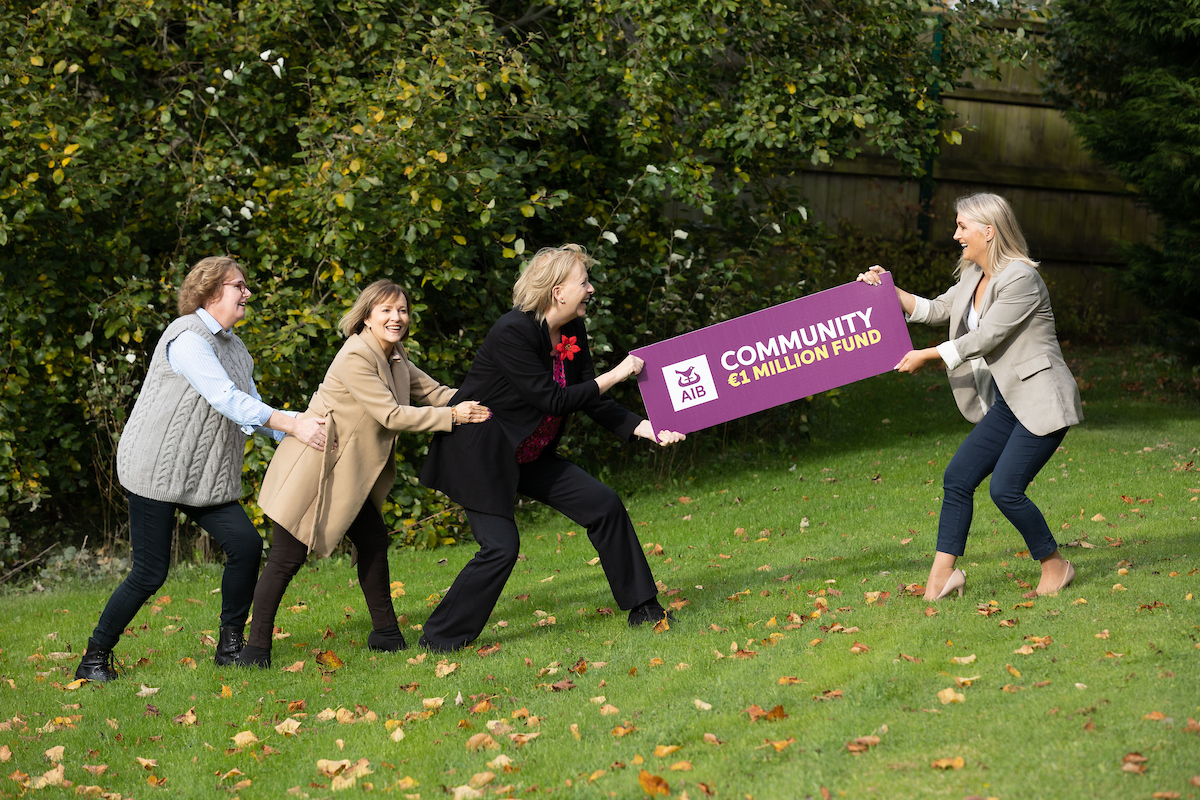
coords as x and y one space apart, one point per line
688 376
690 383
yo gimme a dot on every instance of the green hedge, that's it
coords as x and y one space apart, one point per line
328 143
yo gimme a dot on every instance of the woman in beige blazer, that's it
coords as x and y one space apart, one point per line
1008 376
314 499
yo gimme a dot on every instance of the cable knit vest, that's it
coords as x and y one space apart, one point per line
177 448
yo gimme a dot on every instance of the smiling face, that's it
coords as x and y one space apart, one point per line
973 237
388 322
228 306
573 294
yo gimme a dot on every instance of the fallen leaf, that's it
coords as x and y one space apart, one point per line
188 717
964 660
147 763
481 741
1134 762
288 727
1016 673
96 769
653 784
949 763
147 691
444 668
948 695
244 739
608 709
703 706
329 661
664 750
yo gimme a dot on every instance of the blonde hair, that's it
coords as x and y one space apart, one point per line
1008 242
203 282
551 266
378 292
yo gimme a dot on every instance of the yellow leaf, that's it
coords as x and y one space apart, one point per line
462 240
508 252
1016 673
359 129
355 165
482 741
663 750
949 763
69 149
226 692
57 176
244 739
528 210
36 61
436 204
948 695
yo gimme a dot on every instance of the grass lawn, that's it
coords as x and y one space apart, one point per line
799 664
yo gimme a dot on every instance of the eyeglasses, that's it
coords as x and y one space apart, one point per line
240 285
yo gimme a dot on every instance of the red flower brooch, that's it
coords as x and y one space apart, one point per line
567 348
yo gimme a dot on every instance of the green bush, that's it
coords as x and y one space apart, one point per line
328 143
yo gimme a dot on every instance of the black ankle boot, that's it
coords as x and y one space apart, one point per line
230 642
97 665
387 640
251 656
650 611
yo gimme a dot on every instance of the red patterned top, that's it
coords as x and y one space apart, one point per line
532 447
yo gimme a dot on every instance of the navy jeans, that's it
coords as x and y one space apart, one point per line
151 525
1003 447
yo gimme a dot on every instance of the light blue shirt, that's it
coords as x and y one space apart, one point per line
191 356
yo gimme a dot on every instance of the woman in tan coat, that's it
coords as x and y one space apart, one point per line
314 499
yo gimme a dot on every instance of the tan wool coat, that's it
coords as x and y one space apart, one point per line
366 400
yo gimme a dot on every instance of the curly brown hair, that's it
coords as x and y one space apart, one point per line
203 282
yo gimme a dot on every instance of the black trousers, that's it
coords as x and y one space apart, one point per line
151 524
287 556
567 488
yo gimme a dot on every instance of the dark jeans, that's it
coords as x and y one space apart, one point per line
567 488
287 555
151 523
1003 447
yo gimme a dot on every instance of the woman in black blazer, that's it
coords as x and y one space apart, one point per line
533 370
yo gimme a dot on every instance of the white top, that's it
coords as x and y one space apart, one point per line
192 357
984 385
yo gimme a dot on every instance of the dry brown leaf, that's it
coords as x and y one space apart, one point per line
188 717
519 739
949 763
481 741
1016 673
96 769
653 784
147 691
147 763
964 660
664 750
681 766
296 667
328 661
444 668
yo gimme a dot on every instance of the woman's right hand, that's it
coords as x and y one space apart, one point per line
628 368
871 276
469 411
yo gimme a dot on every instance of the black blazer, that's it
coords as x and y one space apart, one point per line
513 375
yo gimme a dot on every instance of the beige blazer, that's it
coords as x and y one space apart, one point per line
1017 339
365 399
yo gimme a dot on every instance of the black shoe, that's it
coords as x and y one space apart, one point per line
97 665
251 656
230 642
434 647
387 640
650 611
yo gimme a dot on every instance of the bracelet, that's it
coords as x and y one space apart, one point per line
453 416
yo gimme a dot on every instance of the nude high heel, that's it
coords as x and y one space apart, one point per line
1066 581
956 581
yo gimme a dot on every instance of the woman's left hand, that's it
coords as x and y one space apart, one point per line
915 360
663 438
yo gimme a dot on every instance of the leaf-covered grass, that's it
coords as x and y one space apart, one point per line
778 556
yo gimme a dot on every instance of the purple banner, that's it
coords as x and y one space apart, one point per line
774 356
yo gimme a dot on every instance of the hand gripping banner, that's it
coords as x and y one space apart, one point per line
774 356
